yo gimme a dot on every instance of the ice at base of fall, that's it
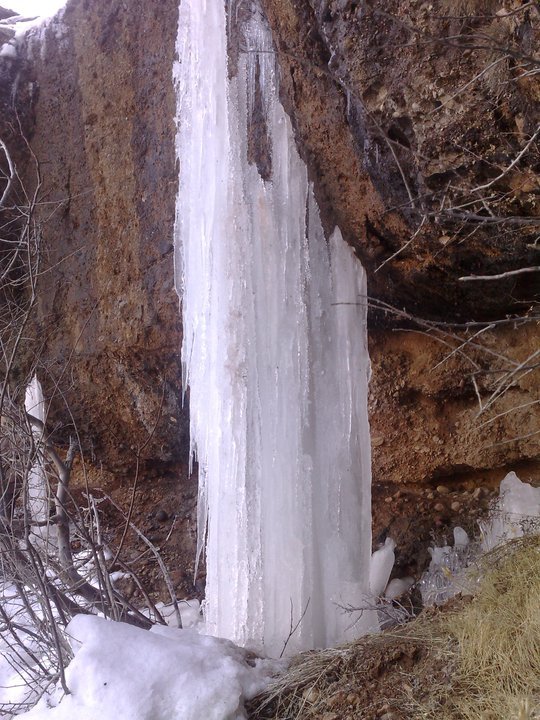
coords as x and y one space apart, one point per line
275 357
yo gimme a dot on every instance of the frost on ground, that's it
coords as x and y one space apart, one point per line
515 514
121 672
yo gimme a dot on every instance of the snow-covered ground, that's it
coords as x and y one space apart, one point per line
120 672
123 673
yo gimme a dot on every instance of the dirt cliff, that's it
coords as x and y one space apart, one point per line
419 124
407 114
403 113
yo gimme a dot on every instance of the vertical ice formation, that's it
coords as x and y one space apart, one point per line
380 567
275 358
37 487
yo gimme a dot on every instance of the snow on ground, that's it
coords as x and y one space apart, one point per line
121 672
15 663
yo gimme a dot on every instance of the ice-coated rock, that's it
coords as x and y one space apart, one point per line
398 587
461 539
517 512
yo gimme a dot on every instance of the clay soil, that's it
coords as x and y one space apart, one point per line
164 514
164 511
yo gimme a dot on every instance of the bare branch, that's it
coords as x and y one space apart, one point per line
162 566
11 167
500 276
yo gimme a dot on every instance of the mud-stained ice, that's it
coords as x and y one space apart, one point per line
275 358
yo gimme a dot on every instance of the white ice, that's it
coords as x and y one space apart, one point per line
37 488
397 587
39 22
516 513
275 358
35 8
8 50
446 575
382 562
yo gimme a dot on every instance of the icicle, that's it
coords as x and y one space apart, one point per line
275 356
37 487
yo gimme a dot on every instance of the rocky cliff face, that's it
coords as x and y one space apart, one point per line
407 113
107 331
402 112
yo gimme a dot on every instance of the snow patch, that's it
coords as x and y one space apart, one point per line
120 671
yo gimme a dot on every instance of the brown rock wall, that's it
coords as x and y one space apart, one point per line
426 420
108 334
402 109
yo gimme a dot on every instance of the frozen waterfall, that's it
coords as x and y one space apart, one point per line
275 356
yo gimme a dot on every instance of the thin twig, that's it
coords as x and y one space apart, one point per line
500 276
156 553
136 478
512 164
295 628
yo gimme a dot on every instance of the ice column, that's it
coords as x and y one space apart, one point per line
275 358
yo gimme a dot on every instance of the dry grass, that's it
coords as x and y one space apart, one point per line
364 679
497 672
477 659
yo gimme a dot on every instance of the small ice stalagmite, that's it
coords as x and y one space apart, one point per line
516 512
380 567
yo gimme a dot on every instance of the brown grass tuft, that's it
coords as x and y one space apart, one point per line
474 659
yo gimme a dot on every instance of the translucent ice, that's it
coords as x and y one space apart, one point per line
516 512
446 575
398 587
275 356
461 539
